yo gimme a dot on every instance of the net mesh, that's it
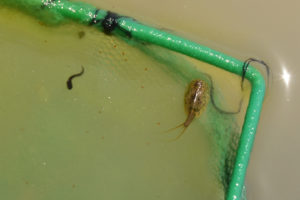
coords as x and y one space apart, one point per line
103 137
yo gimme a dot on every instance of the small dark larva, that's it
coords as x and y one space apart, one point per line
69 81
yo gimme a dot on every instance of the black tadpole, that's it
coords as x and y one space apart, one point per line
69 81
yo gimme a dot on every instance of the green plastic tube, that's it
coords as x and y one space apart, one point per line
62 10
225 62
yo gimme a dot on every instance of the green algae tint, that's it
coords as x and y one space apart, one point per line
104 139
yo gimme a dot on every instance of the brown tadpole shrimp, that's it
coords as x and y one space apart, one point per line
196 99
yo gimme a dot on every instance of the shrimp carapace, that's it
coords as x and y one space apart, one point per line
195 101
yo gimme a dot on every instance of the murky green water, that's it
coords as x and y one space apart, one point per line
104 139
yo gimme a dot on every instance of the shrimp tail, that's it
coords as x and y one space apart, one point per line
181 133
179 136
176 127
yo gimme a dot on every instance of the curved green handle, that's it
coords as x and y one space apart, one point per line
225 62
84 13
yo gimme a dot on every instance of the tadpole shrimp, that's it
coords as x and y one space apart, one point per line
196 99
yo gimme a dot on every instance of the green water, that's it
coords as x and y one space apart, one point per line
105 138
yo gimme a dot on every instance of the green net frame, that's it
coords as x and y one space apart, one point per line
57 11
